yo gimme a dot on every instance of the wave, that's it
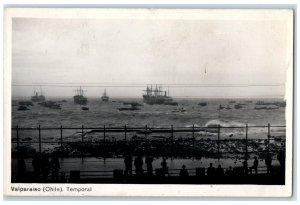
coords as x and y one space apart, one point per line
224 123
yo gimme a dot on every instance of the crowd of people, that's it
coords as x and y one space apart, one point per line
43 165
210 171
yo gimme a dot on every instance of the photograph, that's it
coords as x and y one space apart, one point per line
149 97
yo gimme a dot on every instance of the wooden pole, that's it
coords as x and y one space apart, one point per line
61 139
172 139
82 141
193 139
40 140
18 140
269 135
125 133
246 144
104 134
219 127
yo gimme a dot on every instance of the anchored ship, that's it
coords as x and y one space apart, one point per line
104 97
38 98
79 98
157 96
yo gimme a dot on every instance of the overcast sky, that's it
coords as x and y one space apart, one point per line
139 51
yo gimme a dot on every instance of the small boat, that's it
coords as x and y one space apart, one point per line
132 108
202 103
50 104
85 108
238 106
105 97
22 108
221 107
128 108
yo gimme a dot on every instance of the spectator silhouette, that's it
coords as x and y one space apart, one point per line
268 162
128 164
149 161
255 165
21 167
245 166
183 172
55 166
220 171
211 170
36 164
45 166
164 166
138 163
281 159
229 172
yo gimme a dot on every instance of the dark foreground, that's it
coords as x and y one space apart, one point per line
199 176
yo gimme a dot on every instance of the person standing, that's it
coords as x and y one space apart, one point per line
138 163
149 161
164 167
55 166
255 165
268 162
128 164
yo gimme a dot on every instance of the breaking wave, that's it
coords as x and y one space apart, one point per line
224 123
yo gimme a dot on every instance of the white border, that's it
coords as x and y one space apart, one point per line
147 190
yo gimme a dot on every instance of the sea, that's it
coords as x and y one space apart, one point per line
188 113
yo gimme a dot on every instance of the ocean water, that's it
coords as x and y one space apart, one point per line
101 113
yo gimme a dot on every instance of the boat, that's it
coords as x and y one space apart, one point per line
132 108
202 103
22 108
85 108
104 97
155 95
266 108
79 98
238 106
38 98
50 104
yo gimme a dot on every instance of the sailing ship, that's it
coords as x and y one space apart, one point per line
104 97
156 96
79 98
38 98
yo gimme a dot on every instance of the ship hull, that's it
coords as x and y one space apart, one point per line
78 99
39 98
105 98
152 100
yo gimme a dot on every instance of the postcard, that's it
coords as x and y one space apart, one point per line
148 102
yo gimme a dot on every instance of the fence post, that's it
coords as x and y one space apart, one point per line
18 140
125 131
172 139
40 140
246 145
193 139
219 127
82 141
104 134
61 139
269 135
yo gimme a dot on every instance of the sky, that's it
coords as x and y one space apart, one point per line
131 52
